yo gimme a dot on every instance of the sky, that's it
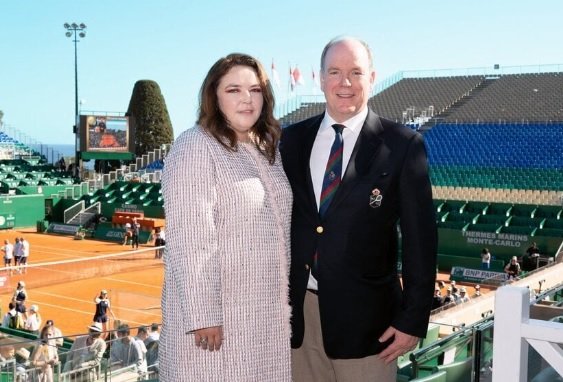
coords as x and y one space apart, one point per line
175 42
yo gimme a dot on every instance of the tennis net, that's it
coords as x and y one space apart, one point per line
58 272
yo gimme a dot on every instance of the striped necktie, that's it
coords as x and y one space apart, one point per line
333 171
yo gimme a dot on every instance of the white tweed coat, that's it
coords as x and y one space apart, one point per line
226 262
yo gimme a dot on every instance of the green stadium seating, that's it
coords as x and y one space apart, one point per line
550 212
492 219
459 371
440 376
499 209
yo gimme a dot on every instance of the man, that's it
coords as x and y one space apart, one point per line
352 318
512 269
8 250
86 353
125 351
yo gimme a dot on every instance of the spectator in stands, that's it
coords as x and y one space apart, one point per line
455 294
125 351
22 364
57 339
103 306
140 338
438 300
512 269
152 344
477 290
154 334
7 357
87 352
531 258
135 226
33 319
463 297
44 356
351 250
13 319
485 259
449 298
19 297
228 205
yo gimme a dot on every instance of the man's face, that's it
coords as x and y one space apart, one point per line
346 79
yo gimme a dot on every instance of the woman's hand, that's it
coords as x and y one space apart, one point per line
209 338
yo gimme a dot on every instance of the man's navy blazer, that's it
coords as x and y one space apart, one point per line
359 289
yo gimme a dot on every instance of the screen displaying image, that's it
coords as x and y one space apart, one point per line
106 133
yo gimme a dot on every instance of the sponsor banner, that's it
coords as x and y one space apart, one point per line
109 234
7 221
63 228
116 234
498 239
476 275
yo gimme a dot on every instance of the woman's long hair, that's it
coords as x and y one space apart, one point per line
266 131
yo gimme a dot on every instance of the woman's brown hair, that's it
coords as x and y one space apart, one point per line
266 131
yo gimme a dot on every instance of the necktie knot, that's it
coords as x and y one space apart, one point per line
338 128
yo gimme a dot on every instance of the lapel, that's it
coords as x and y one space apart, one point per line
366 148
306 146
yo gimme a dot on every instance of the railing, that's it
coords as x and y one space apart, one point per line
514 331
132 171
72 211
20 347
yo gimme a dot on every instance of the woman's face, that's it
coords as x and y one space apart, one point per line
240 99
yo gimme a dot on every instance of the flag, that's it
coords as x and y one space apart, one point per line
275 76
316 82
291 79
298 78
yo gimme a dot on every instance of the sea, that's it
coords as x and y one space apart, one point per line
54 152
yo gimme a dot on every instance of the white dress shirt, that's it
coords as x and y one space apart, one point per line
321 151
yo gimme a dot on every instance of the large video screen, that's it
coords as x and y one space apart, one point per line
106 133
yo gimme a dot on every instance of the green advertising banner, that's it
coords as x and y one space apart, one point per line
108 233
7 221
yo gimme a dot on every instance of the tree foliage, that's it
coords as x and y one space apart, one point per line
148 113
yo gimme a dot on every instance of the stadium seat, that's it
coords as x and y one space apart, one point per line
460 371
440 376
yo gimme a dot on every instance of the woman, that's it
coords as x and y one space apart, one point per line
45 356
19 297
103 306
227 203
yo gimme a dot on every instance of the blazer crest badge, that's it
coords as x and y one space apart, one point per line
375 198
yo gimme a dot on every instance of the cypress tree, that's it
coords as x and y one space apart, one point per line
148 113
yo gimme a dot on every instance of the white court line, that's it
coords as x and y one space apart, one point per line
35 292
132 282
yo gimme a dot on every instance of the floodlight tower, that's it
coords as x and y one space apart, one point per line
76 30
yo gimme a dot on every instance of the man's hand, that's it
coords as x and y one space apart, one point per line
401 344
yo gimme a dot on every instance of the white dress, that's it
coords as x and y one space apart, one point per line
226 262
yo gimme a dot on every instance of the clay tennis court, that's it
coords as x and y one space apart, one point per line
65 292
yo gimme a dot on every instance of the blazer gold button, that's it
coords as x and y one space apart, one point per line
320 229
307 267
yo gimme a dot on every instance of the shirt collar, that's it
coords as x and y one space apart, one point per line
353 124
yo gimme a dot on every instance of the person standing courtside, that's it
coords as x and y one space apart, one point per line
351 316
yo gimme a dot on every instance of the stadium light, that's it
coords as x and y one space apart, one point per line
77 31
